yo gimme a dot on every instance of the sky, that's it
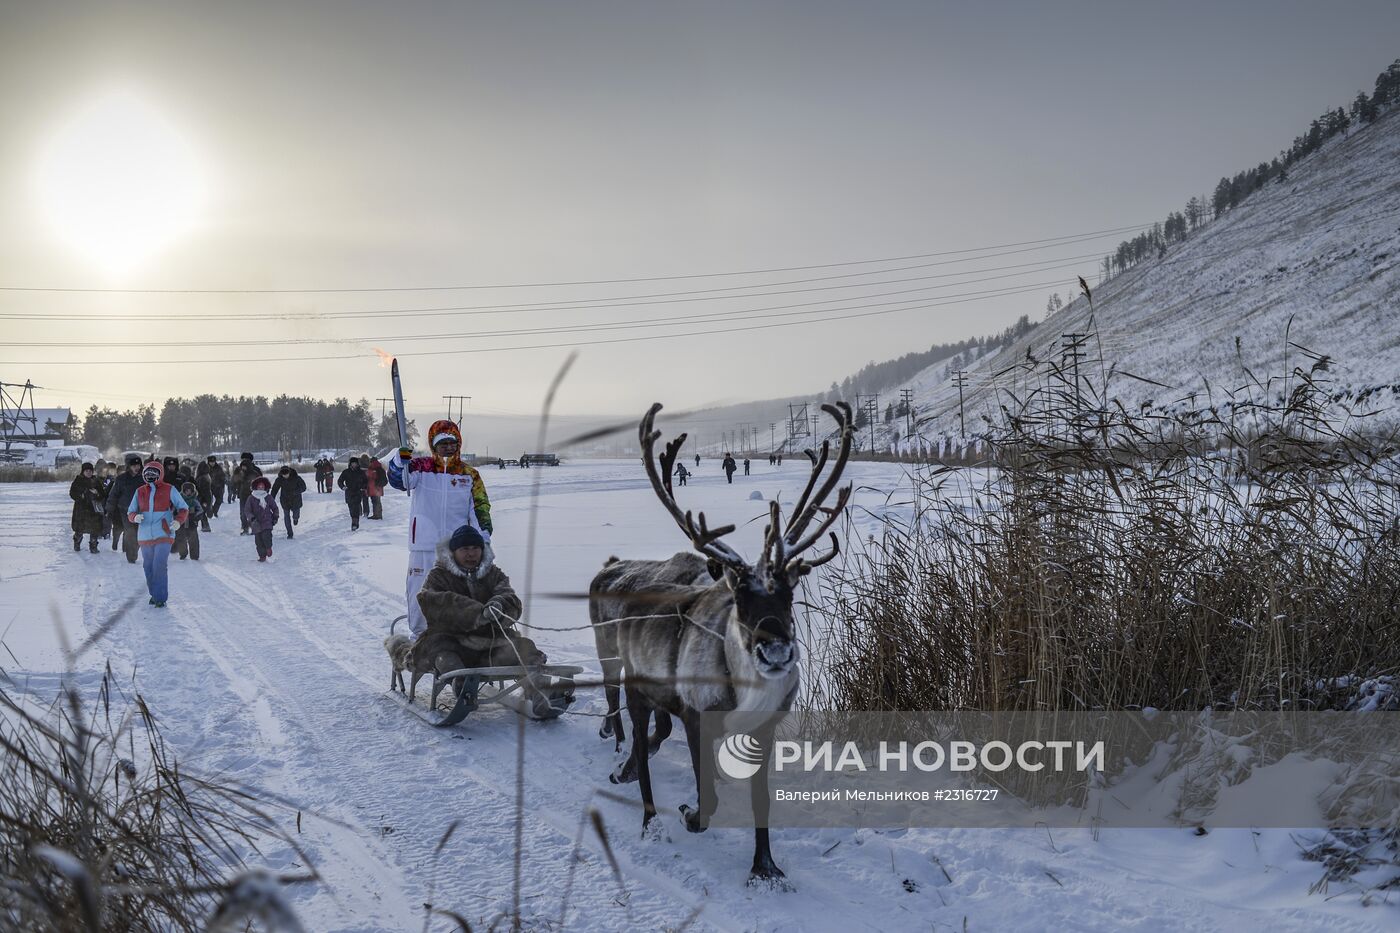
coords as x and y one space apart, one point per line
195 196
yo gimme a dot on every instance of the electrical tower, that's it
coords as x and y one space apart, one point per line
15 409
797 420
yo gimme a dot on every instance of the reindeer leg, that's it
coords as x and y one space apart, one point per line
764 870
659 734
612 722
640 710
698 820
626 772
413 685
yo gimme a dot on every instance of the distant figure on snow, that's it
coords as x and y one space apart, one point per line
89 503
375 481
218 483
187 535
352 480
243 476
260 512
288 491
118 500
729 466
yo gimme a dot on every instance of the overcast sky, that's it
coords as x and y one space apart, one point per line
379 146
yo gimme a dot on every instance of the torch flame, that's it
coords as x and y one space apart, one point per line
385 359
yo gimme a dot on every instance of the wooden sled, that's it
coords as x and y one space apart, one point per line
537 692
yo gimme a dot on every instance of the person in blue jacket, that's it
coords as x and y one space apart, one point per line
158 510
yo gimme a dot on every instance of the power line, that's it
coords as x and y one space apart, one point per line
703 318
1111 231
585 304
548 346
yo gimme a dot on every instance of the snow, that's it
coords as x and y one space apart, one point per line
1314 261
275 675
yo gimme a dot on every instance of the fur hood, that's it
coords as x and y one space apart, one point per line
447 562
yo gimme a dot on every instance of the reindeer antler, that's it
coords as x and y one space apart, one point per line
704 539
782 549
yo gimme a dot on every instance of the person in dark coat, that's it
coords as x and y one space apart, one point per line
260 512
729 466
187 535
118 498
105 472
88 505
288 490
682 474
171 465
352 480
471 610
218 483
204 490
243 476
747 461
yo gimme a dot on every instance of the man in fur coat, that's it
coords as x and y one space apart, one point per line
471 611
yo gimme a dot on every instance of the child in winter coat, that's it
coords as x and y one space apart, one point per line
260 513
187 535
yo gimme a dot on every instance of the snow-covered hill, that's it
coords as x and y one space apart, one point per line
1322 249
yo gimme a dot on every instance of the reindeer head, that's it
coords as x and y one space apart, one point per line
763 592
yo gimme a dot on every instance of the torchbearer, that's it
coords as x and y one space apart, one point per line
445 493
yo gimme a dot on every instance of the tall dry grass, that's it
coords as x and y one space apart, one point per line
101 829
1244 554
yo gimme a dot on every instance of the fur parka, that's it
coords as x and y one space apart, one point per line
470 615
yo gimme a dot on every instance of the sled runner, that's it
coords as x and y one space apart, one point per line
538 692
541 691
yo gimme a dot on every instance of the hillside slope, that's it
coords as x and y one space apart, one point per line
1322 249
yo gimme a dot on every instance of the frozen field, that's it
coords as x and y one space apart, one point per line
275 675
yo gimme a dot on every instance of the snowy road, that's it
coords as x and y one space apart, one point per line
275 675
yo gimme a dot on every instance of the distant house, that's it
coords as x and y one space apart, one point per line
38 426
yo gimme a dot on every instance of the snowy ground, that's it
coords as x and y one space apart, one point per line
275 675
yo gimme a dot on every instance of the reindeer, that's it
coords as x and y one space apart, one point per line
728 646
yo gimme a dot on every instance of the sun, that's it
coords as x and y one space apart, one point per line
118 182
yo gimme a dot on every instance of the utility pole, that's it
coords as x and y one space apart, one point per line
461 401
872 410
906 398
1071 355
772 436
960 380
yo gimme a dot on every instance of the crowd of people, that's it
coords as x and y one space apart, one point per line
153 508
